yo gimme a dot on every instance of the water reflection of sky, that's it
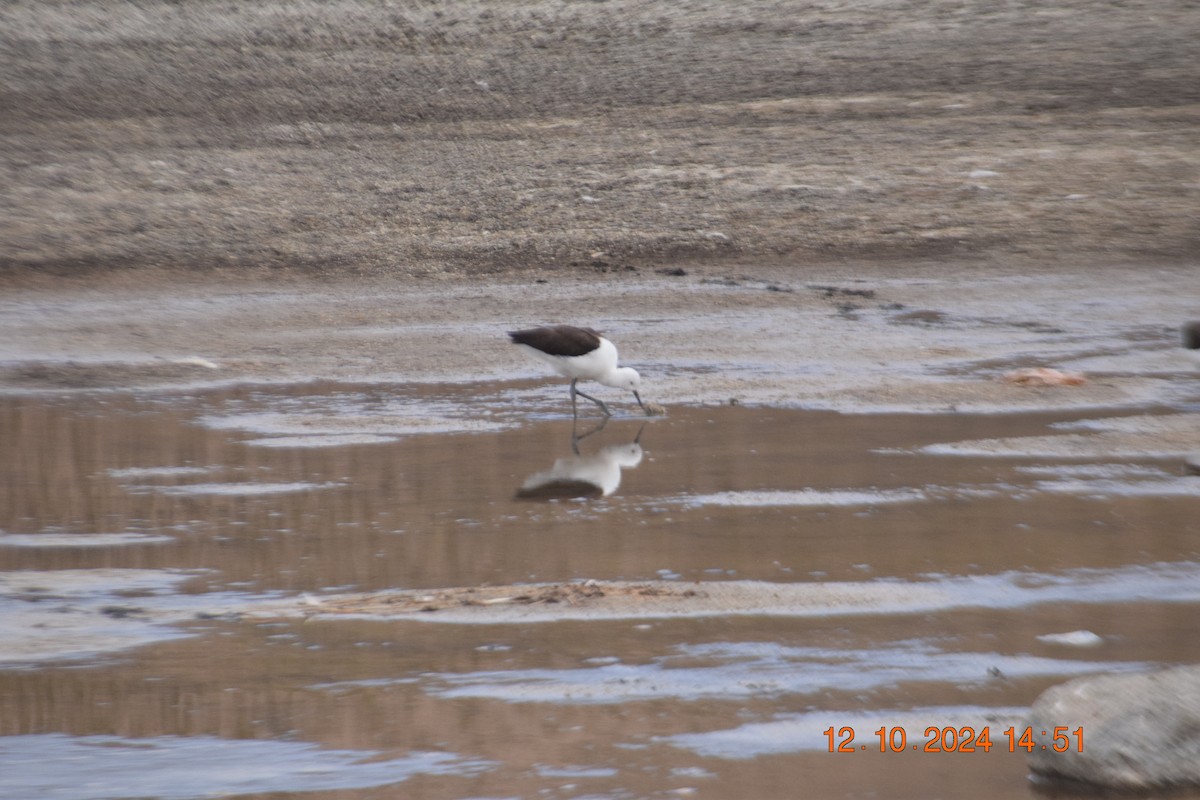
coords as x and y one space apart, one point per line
139 537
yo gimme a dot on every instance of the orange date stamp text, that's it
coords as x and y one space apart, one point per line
951 739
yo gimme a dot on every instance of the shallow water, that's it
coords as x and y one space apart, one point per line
131 522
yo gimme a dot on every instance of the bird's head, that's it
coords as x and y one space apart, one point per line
625 378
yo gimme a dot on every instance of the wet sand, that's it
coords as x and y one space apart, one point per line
929 337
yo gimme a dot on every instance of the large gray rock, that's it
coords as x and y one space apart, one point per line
1140 732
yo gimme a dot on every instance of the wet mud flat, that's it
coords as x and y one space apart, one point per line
473 138
221 576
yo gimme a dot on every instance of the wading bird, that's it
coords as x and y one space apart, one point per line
580 354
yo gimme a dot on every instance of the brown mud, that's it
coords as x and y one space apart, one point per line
354 137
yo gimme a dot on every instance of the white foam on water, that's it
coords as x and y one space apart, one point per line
809 497
63 540
356 415
795 733
1064 446
1185 486
74 614
1137 423
1112 480
147 473
322 440
1072 639
81 584
187 767
1141 436
233 489
1110 471
195 361
573 771
61 614
1175 582
756 669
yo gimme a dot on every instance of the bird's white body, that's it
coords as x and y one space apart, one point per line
599 365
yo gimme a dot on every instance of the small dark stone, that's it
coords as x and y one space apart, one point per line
121 612
835 291
1191 335
923 317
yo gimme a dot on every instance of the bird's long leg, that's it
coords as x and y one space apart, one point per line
574 391
600 403
577 437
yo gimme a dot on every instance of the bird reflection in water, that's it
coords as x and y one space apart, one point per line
579 476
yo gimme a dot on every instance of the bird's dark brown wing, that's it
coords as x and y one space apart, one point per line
558 340
560 490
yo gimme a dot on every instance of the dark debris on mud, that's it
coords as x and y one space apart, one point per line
583 593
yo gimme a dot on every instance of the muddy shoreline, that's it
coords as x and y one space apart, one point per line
934 339
203 194
595 139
